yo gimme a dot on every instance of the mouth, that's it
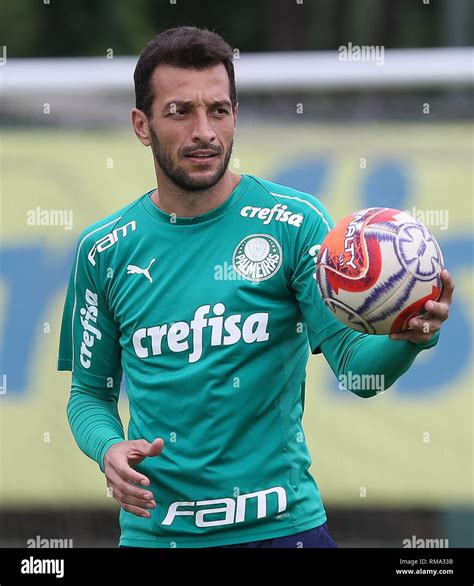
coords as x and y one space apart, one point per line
202 157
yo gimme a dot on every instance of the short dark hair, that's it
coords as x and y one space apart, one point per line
185 46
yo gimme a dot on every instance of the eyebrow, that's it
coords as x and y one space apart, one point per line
190 103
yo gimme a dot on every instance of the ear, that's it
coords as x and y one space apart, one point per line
140 126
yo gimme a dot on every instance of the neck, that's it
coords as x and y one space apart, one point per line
173 200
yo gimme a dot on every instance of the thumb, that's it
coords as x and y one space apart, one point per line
155 448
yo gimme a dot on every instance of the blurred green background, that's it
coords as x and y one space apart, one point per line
42 28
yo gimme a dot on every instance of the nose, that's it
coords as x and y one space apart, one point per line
202 130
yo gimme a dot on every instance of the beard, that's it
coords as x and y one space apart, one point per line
182 178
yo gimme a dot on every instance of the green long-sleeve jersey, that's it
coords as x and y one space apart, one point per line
210 320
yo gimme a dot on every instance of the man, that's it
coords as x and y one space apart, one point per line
214 360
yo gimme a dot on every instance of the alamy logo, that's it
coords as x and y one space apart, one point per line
89 315
224 331
415 542
110 239
34 565
352 52
134 270
40 542
257 257
232 510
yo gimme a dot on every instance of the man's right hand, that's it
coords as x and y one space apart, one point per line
122 478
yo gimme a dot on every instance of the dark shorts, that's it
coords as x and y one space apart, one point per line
317 537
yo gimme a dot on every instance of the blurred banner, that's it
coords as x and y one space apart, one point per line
412 445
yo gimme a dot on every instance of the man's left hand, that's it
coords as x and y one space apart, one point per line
423 328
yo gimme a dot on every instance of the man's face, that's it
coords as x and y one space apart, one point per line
192 125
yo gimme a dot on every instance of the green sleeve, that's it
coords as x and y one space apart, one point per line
368 365
321 322
90 348
89 343
94 419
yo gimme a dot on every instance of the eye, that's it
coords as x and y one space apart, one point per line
177 112
221 111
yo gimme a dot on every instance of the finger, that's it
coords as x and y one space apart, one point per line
131 491
119 485
151 449
422 325
421 330
437 310
156 446
123 498
448 287
135 511
127 473
141 449
140 503
411 336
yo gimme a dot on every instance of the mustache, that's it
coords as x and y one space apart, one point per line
212 151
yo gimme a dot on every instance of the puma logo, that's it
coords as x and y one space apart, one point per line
133 269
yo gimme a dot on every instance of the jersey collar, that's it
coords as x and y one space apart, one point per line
224 207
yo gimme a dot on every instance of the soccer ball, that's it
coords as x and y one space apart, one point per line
377 268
